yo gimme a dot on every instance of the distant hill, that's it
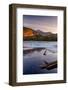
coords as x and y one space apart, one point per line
28 32
44 33
38 35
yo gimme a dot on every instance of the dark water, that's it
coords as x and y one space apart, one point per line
34 56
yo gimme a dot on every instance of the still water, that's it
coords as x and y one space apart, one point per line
34 56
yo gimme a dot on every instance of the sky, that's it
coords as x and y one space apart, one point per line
43 23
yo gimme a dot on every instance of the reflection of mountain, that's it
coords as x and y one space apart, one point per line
30 34
25 52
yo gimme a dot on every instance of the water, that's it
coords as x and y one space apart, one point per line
34 56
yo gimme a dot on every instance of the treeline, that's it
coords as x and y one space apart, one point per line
52 37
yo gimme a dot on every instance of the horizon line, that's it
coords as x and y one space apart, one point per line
40 30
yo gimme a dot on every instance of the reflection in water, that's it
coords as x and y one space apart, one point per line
39 60
28 51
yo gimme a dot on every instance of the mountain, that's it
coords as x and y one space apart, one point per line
28 32
44 33
38 35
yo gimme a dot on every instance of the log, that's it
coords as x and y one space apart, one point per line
49 66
